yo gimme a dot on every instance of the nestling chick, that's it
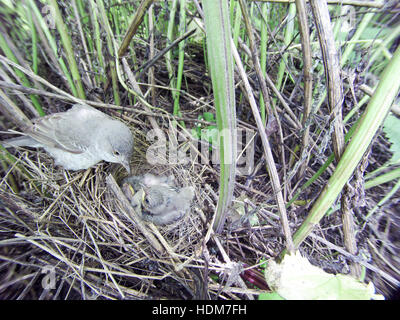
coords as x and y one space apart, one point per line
157 199
163 205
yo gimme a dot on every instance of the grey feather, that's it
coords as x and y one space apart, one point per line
24 141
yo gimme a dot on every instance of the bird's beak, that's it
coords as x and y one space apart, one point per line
127 166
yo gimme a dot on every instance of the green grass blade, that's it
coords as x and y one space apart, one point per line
182 26
111 51
288 38
10 54
66 41
218 33
263 53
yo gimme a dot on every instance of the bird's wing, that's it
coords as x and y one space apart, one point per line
67 130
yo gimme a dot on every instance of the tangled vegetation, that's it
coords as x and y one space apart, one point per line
300 88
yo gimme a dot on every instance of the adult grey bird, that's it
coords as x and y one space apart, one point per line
79 138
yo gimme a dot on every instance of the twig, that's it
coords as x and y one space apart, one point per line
136 87
335 101
256 61
273 173
332 72
307 66
137 19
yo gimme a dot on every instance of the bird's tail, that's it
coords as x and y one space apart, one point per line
24 141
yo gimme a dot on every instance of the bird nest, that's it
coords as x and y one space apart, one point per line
76 233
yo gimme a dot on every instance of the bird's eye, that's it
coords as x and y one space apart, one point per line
116 153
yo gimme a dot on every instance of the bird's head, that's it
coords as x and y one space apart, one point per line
118 144
153 197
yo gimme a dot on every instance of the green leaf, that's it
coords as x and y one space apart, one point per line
210 134
263 264
296 278
220 62
208 116
391 128
270 296
196 133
